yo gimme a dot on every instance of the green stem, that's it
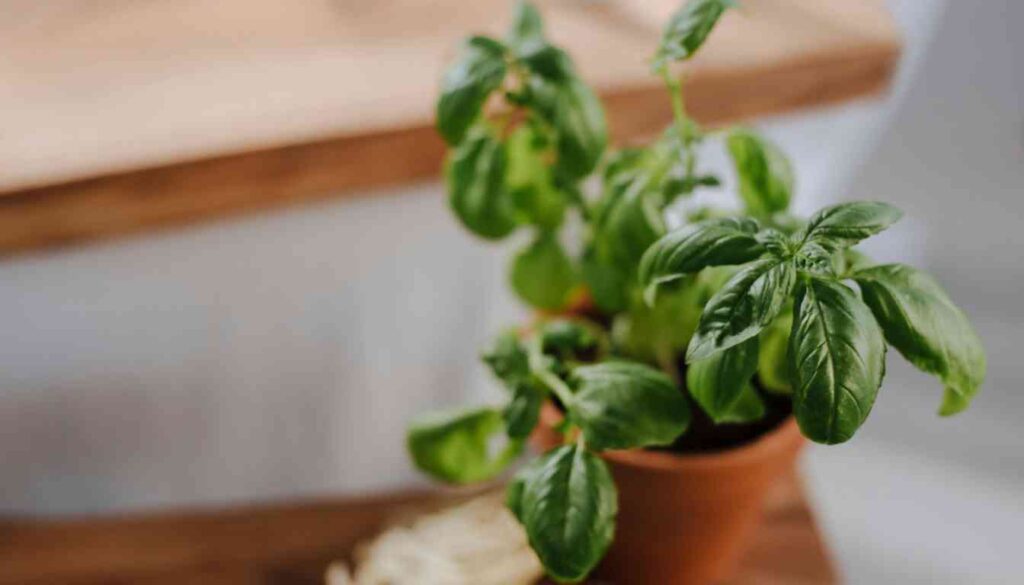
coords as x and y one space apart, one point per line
675 89
684 124
546 376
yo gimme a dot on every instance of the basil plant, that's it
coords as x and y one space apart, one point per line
728 310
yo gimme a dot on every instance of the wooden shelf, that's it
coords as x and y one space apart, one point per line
293 544
119 119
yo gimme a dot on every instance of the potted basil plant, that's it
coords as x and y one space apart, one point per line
672 373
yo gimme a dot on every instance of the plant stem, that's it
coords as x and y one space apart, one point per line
684 124
546 376
555 384
675 89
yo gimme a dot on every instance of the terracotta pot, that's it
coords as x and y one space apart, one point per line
685 519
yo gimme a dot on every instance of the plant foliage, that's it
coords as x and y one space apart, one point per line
687 307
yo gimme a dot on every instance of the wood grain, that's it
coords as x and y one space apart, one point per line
293 544
111 131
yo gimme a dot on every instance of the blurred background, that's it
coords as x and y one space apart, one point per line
280 355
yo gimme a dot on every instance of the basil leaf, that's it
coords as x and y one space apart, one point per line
851 261
841 226
838 360
517 485
773 357
549 62
815 258
646 330
627 222
566 501
688 29
743 307
523 410
542 275
581 129
508 359
479 70
717 383
529 181
566 337
527 29
576 115
921 321
476 185
510 362
454 446
607 282
622 405
765 174
678 183
713 242
748 407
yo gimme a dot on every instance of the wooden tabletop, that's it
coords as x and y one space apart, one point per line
120 116
293 544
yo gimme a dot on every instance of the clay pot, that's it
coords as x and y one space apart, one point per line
685 519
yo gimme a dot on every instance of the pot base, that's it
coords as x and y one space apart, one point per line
686 518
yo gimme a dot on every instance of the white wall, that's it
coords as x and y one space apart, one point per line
263 357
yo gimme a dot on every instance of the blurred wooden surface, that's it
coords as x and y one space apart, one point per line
293 544
117 117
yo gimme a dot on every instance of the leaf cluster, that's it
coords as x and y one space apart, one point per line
566 499
713 312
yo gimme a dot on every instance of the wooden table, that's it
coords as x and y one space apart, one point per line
293 544
120 117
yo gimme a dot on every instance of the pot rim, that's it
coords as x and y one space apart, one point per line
783 437
786 436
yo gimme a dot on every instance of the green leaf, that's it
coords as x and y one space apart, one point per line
534 195
517 485
921 321
542 275
719 382
765 174
623 405
523 410
549 62
851 261
747 409
714 242
743 307
476 185
773 357
467 83
649 331
576 114
607 282
678 184
838 360
688 29
566 501
815 258
510 362
581 129
508 359
527 30
567 337
627 221
455 446
841 226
